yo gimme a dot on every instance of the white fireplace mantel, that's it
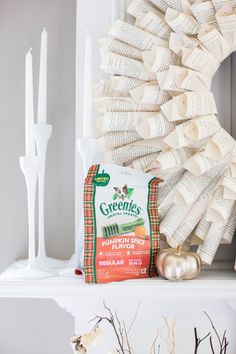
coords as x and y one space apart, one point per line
69 290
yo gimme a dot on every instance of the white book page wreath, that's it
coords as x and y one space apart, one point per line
157 113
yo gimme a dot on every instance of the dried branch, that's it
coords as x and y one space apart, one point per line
120 329
211 344
111 321
134 318
198 340
127 338
153 347
226 343
223 343
170 341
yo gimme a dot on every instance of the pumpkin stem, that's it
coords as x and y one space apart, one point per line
179 249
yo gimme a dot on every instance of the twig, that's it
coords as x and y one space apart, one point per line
134 318
127 338
111 320
224 348
212 324
223 343
120 329
153 347
211 344
198 341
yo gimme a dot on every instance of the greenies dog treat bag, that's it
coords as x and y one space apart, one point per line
121 226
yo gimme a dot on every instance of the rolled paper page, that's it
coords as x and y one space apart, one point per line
201 60
189 105
173 158
121 121
160 4
106 88
191 186
140 6
219 209
179 41
226 18
173 220
159 59
228 194
154 24
134 36
233 169
214 42
113 45
201 231
233 162
208 249
177 138
204 12
194 81
125 83
118 65
180 5
219 145
154 127
194 216
142 163
198 164
202 127
173 175
171 111
134 150
230 229
197 104
179 79
189 189
166 199
180 22
109 104
166 194
115 140
218 4
149 94
187 244
167 79
229 184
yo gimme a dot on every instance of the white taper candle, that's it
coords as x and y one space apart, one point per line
29 107
42 93
88 122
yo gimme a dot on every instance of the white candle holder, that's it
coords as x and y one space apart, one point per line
30 166
43 133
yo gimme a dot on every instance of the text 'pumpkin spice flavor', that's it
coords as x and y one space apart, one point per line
121 224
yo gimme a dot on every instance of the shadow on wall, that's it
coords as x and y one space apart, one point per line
34 327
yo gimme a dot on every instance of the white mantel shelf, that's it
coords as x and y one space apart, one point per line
219 283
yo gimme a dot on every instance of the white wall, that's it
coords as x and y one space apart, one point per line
22 322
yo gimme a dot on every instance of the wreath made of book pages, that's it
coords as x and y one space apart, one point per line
158 114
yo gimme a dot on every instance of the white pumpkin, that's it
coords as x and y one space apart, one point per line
175 264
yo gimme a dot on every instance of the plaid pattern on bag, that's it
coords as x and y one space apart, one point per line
90 226
154 223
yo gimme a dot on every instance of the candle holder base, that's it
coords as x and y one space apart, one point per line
50 263
30 272
69 269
